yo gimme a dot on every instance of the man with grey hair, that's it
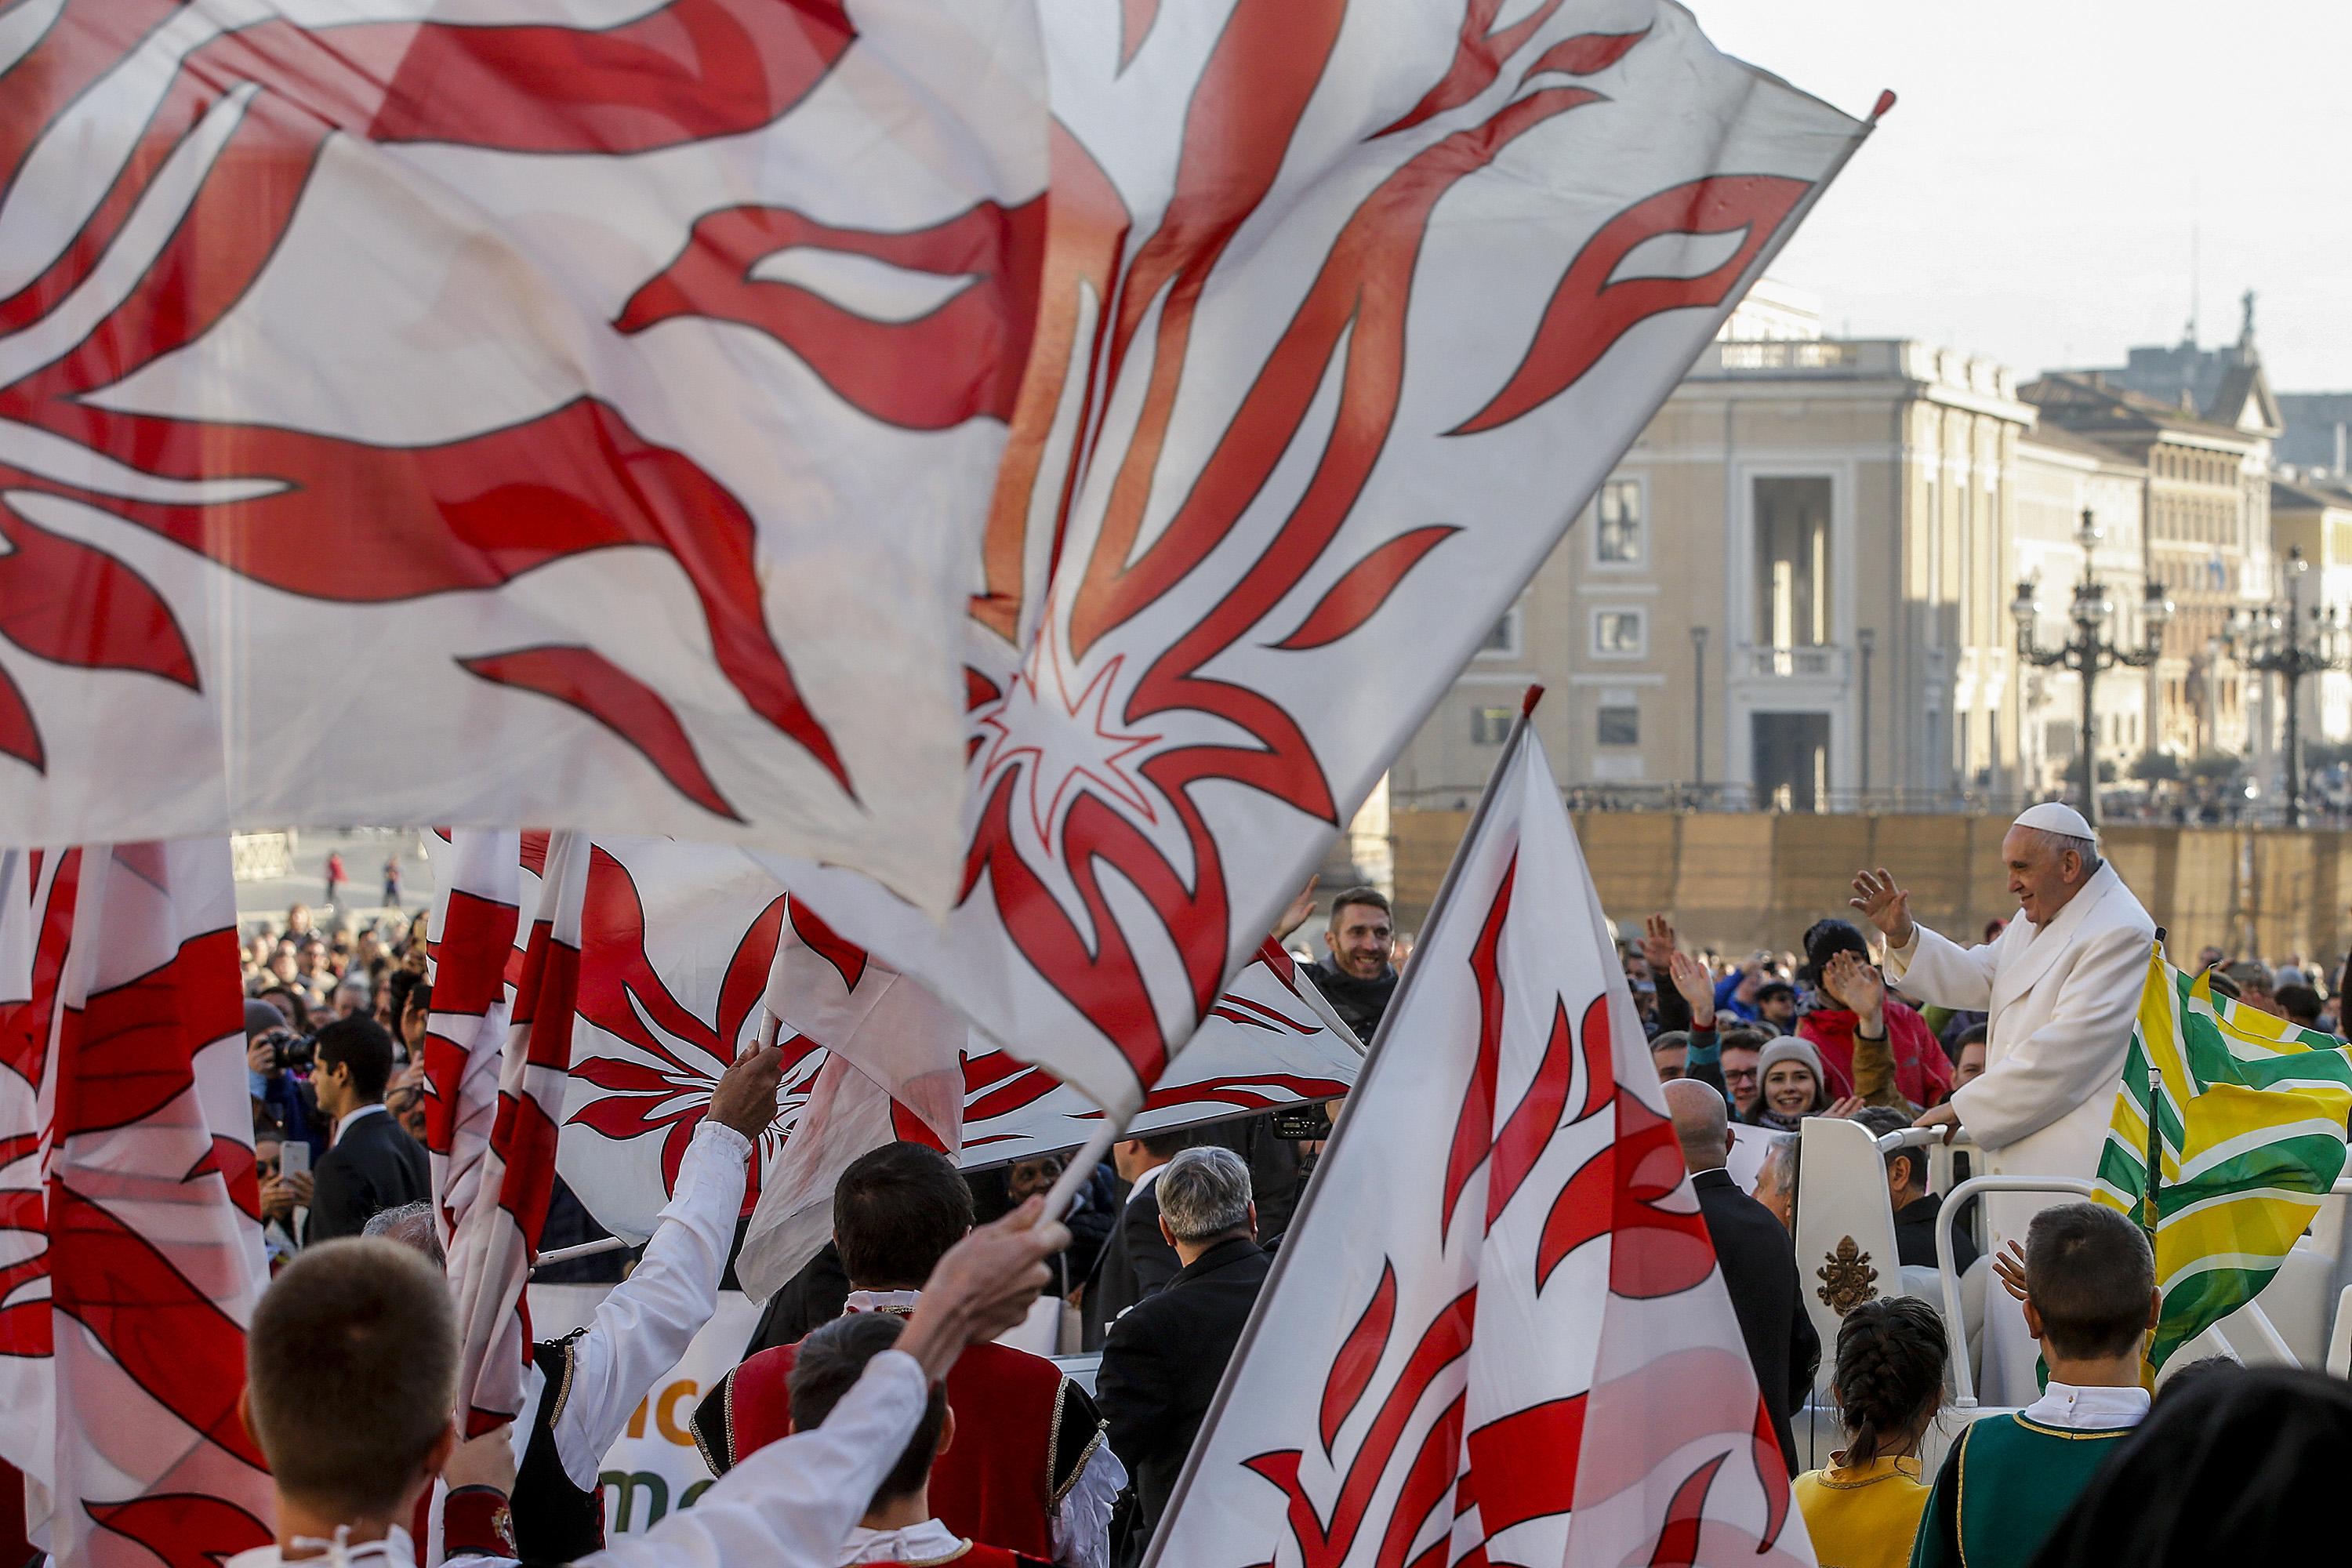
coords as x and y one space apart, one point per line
1166 1354
413 1227
2060 986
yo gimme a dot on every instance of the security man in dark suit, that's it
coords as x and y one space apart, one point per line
1136 1262
1165 1356
1760 1265
373 1164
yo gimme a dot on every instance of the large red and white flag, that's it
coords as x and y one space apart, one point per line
624 380
678 946
1497 1332
1347 307
128 1205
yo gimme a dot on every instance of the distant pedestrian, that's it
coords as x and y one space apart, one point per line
335 876
392 881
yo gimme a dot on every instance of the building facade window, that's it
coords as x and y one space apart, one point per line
1503 641
1489 726
1792 561
1618 727
1619 634
1619 538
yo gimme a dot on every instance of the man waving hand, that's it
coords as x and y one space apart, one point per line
2062 984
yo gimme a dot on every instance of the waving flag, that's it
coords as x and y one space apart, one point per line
1497 1333
1347 306
473 953
131 1218
2247 1138
624 380
497 1228
679 942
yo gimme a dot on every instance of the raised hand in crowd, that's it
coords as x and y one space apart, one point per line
1884 905
2009 1268
1658 945
1844 1108
1301 909
1853 982
745 1096
1698 987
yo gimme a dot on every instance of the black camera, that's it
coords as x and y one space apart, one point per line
290 1050
1307 1123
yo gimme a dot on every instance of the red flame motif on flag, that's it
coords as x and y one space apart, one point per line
1529 1463
24 1051
623 995
472 514
1350 330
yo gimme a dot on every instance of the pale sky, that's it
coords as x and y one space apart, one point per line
2032 194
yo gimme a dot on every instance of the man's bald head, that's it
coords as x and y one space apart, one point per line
1702 1123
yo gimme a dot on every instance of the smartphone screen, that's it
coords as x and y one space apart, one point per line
294 1158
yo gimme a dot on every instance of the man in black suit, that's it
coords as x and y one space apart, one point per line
372 1163
1136 1262
1759 1268
1164 1358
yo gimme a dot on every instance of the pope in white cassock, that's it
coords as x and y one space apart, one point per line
2062 984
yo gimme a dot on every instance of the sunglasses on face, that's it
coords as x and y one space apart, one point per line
267 1168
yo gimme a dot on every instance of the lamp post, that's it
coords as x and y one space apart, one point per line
2292 643
1698 710
2091 650
1866 640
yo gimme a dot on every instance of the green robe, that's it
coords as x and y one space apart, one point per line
2003 1489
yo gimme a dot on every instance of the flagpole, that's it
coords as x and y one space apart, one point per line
1374 1054
1081 1168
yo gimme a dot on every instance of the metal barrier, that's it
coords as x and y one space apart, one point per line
1956 1329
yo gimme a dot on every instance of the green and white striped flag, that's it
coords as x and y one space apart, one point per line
2248 1136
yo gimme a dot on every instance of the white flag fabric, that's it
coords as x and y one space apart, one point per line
129 1207
1347 307
679 948
623 381
1497 1333
896 1070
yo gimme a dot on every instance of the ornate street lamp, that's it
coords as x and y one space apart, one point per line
2091 649
2293 643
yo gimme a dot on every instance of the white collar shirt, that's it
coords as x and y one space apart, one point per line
2079 1409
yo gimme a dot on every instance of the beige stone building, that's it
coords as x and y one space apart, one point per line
1793 590
2207 510
2059 477
2313 516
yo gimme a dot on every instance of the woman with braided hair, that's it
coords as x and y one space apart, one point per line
1863 1510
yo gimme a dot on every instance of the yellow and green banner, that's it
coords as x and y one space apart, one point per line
2247 1135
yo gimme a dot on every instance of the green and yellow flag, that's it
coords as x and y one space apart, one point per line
2248 1136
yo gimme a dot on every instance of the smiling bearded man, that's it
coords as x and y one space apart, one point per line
2062 984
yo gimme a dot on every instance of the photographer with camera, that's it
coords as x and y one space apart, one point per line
371 1164
276 1058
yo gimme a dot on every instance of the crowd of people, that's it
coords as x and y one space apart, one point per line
871 1420
335 1016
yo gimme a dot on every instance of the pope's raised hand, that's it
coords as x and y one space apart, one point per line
1884 905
